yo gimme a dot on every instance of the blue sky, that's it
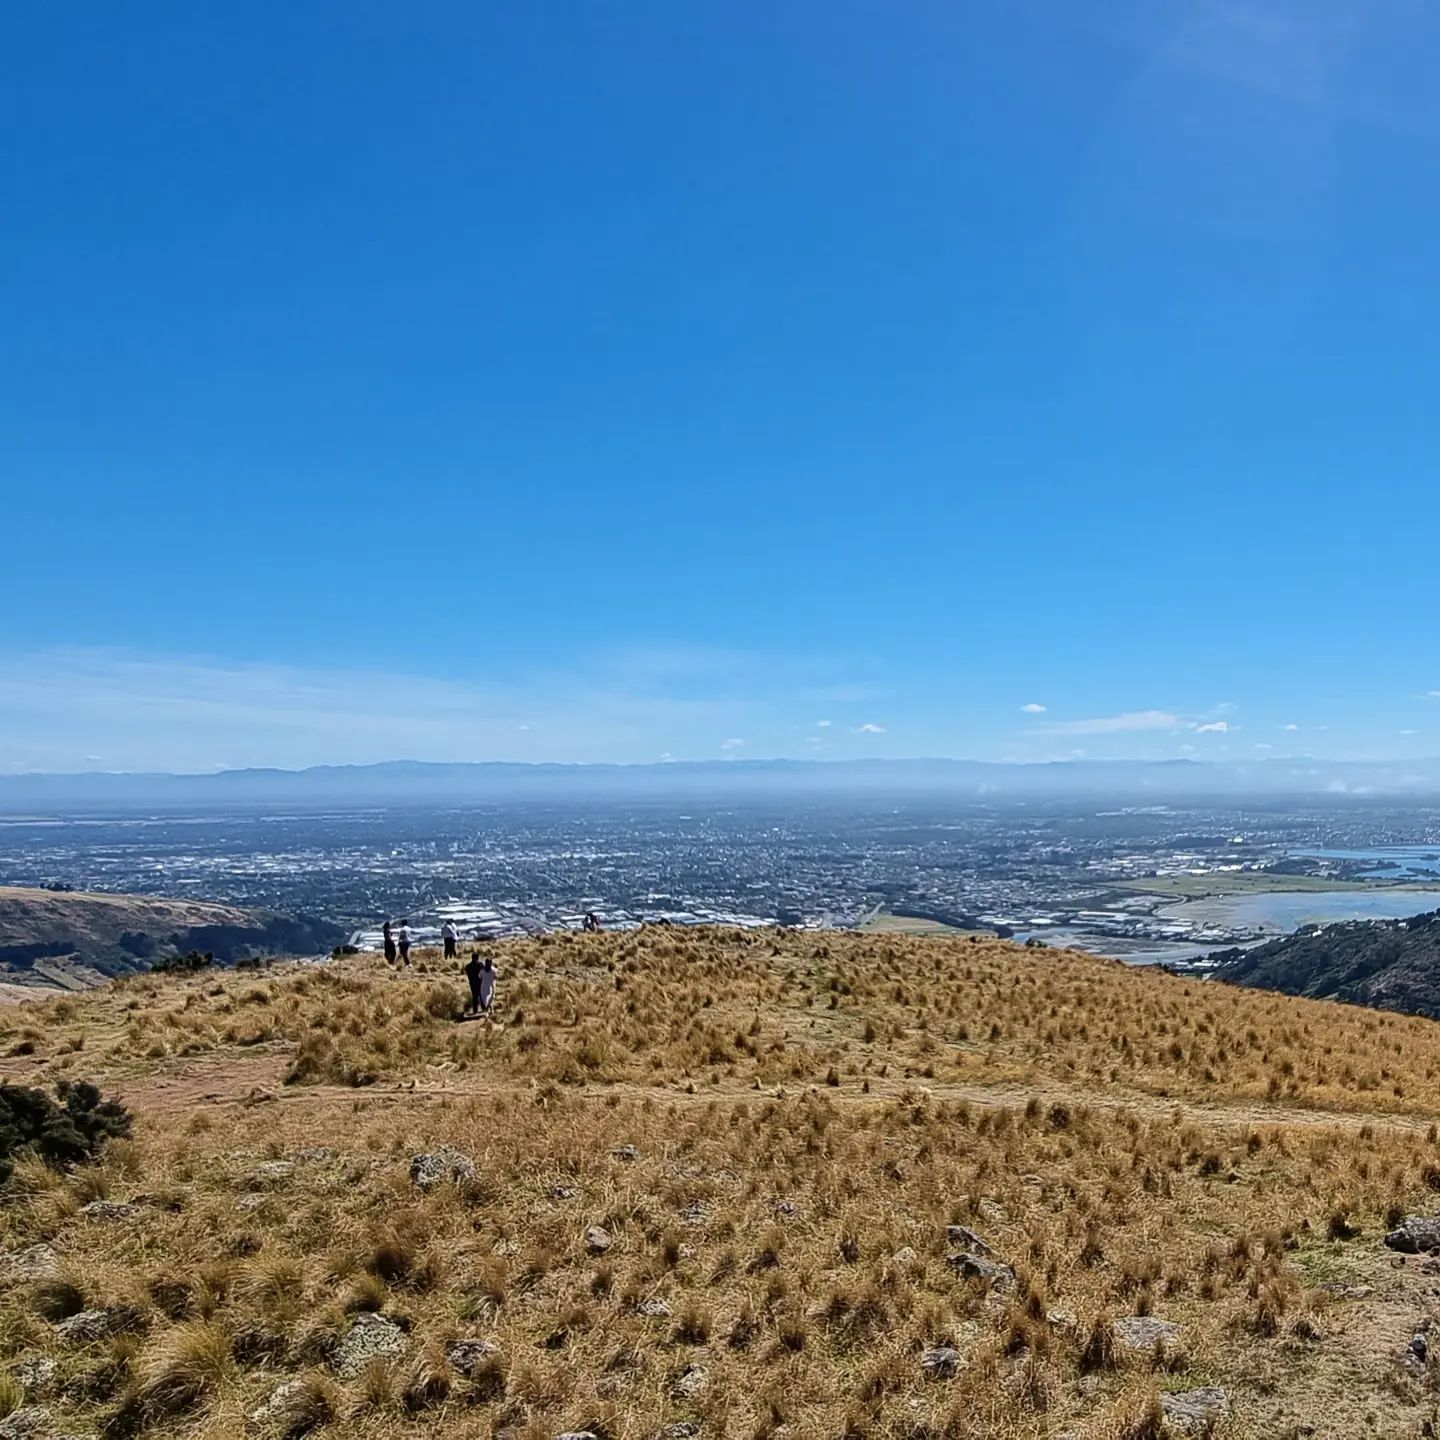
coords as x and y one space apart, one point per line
619 380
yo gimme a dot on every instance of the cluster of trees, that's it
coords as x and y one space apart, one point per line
186 964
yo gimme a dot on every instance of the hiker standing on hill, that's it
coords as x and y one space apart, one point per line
592 923
451 937
405 942
473 972
482 983
389 943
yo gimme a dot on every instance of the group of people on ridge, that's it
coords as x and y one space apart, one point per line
480 974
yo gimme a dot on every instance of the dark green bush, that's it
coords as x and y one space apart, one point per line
61 1134
185 964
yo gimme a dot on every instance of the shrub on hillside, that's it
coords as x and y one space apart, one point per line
61 1134
186 964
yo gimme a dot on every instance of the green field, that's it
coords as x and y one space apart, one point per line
884 923
1244 883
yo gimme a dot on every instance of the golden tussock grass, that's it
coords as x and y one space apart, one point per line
715 1176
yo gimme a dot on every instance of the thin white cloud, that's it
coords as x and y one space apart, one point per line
1226 707
869 728
1262 745
1409 732
173 713
1114 724
1033 708
1291 729
823 724
733 744
1431 695
1215 727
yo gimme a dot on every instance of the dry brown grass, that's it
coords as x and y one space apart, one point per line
808 1115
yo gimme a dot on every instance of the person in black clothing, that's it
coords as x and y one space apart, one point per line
473 971
389 943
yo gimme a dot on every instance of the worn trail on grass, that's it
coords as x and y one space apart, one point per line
258 1078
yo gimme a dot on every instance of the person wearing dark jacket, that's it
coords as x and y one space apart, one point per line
482 984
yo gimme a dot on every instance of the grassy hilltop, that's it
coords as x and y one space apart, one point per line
712 1183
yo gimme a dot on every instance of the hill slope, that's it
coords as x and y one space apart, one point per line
725 1184
75 939
1391 964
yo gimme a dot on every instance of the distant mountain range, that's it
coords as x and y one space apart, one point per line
1390 964
414 782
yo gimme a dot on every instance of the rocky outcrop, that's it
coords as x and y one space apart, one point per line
1415 1235
371 1337
1195 1412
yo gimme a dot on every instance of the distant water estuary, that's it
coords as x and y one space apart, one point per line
1284 911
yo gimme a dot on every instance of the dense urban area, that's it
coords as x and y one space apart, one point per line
1144 882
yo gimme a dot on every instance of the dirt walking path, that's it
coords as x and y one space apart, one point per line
258 1078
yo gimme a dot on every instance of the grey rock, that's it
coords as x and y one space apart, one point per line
1060 1320
1415 1235
976 1267
654 1308
696 1214
1145 1332
270 1175
967 1239
36 1262
1417 1352
468 1354
25 1423
787 1208
278 1399
315 1153
37 1375
371 1337
680 1430
88 1326
940 1362
1194 1412
692 1384
904 1256
437 1166
993 1211
625 1152
563 1192
598 1240
248 1204
578 1435
1342 1291
109 1210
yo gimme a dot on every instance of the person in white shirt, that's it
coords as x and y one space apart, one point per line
482 983
404 938
451 937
